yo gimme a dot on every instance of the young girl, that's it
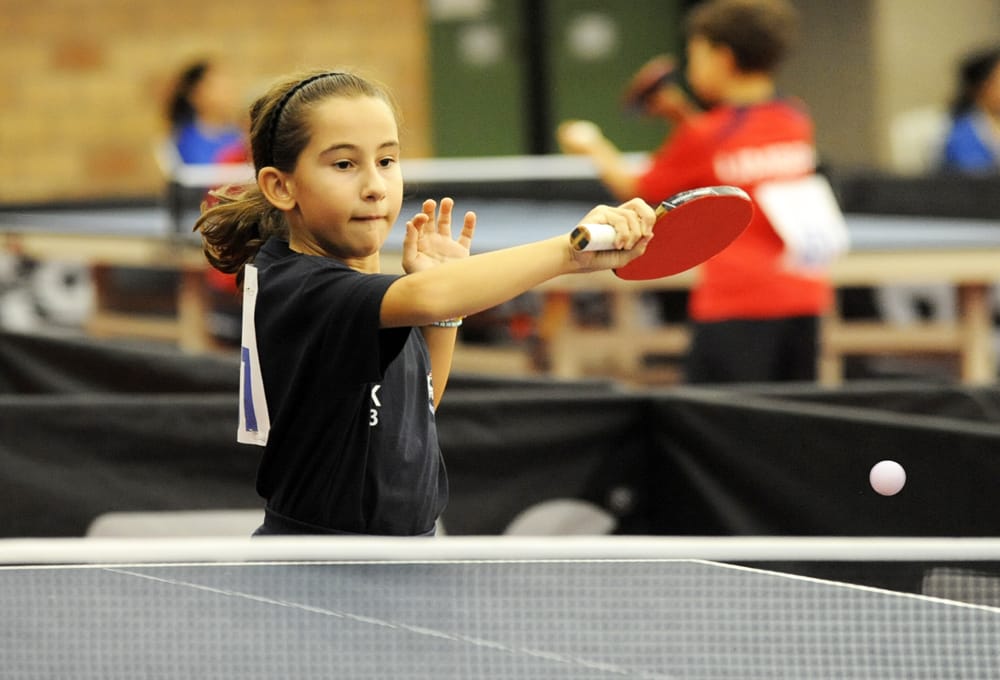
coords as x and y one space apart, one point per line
338 358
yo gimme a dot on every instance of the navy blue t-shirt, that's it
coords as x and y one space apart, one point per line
353 444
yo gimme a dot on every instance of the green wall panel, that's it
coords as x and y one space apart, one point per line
597 45
505 72
478 62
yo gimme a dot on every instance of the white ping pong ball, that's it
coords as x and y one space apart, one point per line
887 477
582 131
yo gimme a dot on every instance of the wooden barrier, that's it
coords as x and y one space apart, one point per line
571 347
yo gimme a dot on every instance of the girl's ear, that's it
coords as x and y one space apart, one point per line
276 187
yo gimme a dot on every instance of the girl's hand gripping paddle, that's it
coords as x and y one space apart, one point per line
691 227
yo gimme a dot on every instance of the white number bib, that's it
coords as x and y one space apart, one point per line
808 219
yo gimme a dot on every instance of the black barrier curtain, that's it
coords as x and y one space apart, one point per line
510 453
53 364
89 428
744 465
67 459
938 400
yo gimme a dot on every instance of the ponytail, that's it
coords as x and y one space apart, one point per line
236 220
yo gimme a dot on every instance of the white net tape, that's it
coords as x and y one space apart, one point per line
464 548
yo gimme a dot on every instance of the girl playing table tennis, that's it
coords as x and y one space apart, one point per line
342 365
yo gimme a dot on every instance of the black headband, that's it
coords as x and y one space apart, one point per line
283 102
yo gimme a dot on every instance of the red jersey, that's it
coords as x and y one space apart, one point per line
743 146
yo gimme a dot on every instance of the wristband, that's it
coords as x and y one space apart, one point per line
449 323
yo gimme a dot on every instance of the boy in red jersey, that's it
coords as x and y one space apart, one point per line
755 314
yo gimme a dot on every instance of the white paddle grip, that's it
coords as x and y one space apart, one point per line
594 237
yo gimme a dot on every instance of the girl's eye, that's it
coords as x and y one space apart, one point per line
387 162
342 165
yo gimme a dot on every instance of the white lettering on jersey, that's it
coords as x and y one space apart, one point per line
376 405
773 161
255 423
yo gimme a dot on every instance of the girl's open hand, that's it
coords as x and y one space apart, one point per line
428 241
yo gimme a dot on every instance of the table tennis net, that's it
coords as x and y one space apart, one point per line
471 607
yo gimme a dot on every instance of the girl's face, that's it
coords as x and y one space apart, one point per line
989 94
706 68
216 97
347 184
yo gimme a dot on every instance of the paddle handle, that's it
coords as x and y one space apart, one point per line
601 236
593 237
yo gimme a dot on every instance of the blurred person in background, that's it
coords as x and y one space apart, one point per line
973 142
756 306
205 111
204 115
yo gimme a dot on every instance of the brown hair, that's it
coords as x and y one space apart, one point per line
759 32
237 219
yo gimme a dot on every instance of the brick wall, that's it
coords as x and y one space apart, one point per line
82 82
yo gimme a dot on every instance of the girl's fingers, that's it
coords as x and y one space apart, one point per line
432 220
633 221
644 212
429 211
444 217
627 224
468 230
410 241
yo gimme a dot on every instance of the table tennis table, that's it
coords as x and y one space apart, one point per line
885 250
478 618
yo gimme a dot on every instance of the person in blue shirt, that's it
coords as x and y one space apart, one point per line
973 142
203 112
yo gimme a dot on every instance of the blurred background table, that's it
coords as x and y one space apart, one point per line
520 199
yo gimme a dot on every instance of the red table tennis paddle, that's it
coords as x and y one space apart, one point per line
691 227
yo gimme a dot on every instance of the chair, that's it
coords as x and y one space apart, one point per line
916 138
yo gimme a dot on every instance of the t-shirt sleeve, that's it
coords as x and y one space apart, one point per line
372 346
343 309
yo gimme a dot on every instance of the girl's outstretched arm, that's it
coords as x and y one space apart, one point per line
469 285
